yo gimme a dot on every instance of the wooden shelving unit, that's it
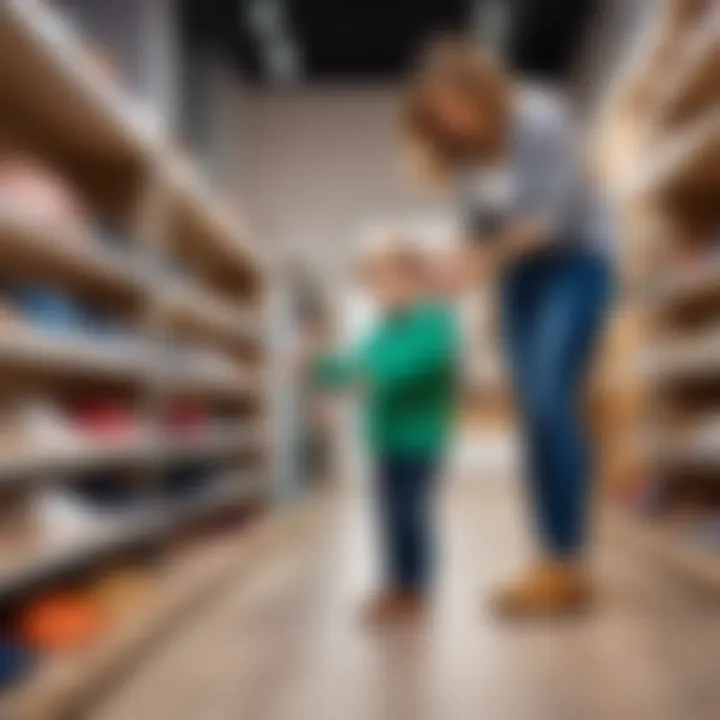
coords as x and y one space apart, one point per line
674 179
152 523
33 466
685 165
694 76
66 686
188 282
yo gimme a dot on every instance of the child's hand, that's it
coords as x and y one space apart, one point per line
302 359
312 344
317 337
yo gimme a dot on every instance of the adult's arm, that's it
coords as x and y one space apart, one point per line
548 176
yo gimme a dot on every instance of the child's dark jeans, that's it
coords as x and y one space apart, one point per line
406 487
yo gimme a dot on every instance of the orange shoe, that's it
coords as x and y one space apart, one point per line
394 608
548 589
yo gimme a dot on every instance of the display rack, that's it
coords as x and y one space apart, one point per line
671 505
58 107
67 686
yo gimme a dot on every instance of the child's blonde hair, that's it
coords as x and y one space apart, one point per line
395 249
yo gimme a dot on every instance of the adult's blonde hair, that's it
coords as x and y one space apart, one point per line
459 66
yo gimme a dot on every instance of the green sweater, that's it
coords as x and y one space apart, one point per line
406 370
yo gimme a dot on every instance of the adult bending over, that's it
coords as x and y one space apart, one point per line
530 217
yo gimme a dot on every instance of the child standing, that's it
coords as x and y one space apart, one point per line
405 370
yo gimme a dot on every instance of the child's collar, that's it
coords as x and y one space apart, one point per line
405 311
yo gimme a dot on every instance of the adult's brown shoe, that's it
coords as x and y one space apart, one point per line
546 590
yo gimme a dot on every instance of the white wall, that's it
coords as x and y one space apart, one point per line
314 164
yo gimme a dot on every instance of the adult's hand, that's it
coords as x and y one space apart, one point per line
524 238
473 263
521 238
461 268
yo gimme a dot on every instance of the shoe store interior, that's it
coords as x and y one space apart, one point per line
359 360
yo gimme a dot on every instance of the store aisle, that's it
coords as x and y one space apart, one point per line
284 643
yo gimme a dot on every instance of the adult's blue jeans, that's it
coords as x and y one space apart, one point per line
552 307
405 490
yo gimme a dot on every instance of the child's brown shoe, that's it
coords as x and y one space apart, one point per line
394 608
549 589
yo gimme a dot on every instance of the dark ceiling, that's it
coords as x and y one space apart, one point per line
371 38
545 34
345 40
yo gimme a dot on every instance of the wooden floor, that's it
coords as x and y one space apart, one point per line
284 644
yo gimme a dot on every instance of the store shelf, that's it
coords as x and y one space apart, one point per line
691 360
17 467
687 164
688 288
214 442
67 686
189 306
669 198
50 81
689 448
669 549
198 218
26 239
151 524
101 146
694 83
31 465
63 685
235 489
24 348
60 96
239 384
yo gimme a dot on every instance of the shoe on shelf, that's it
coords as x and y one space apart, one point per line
64 519
48 426
104 418
47 309
61 621
29 428
16 661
